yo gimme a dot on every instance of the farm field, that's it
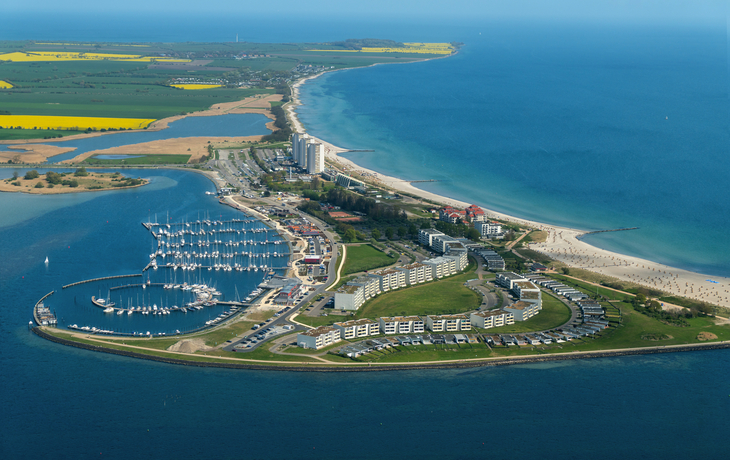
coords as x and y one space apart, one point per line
71 123
138 160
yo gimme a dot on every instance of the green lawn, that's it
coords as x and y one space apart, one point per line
365 257
14 134
444 296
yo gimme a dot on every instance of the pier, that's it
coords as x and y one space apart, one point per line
424 180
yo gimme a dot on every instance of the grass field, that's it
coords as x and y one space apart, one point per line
365 257
139 160
444 296
13 134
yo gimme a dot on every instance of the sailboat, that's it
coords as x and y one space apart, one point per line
46 260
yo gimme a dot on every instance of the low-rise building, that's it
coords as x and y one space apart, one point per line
357 328
448 323
401 325
319 337
289 291
493 318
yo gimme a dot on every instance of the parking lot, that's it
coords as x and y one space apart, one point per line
262 334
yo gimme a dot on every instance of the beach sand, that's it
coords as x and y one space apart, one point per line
562 243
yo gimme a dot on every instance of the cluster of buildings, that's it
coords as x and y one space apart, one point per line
559 288
307 154
355 292
493 260
473 215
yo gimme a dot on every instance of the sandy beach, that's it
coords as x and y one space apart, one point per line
562 244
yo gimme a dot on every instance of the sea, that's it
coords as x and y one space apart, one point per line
590 126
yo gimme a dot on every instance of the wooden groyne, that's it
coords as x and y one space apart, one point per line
100 279
314 367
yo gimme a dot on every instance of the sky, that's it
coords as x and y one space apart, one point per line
590 10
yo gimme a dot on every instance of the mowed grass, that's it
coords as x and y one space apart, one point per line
14 134
139 160
444 296
365 257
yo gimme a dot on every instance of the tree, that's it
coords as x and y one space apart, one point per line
32 174
412 230
39 185
426 223
81 172
315 183
15 175
565 270
375 234
655 305
473 234
389 232
402 231
350 235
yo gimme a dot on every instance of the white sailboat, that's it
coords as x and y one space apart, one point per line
46 260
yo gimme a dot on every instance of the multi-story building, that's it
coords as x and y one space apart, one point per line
528 292
401 325
370 285
507 279
389 278
357 328
426 235
315 158
349 297
493 318
440 243
416 273
522 311
318 337
475 214
441 266
448 323
489 229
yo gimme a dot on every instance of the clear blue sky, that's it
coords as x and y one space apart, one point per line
632 10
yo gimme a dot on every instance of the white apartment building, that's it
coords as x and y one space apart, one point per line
528 292
401 325
493 318
522 311
357 328
507 279
448 323
440 243
441 266
349 297
488 228
389 279
416 273
318 337
426 235
315 158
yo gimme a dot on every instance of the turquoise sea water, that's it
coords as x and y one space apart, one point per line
591 128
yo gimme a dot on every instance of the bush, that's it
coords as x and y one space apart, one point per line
32 174
39 185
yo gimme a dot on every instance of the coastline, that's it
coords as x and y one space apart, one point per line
563 244
178 358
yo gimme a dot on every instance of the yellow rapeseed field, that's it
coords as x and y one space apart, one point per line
49 56
196 86
410 48
71 123
4 85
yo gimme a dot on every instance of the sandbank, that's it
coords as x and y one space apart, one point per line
562 244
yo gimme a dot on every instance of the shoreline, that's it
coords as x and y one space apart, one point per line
236 363
562 244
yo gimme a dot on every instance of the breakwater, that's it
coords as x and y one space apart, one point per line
100 279
386 367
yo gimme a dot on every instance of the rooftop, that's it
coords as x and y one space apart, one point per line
355 322
317 331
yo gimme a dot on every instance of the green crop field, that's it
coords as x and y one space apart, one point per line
365 257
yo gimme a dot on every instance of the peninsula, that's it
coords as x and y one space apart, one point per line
382 275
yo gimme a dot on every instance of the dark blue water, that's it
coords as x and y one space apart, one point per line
590 127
